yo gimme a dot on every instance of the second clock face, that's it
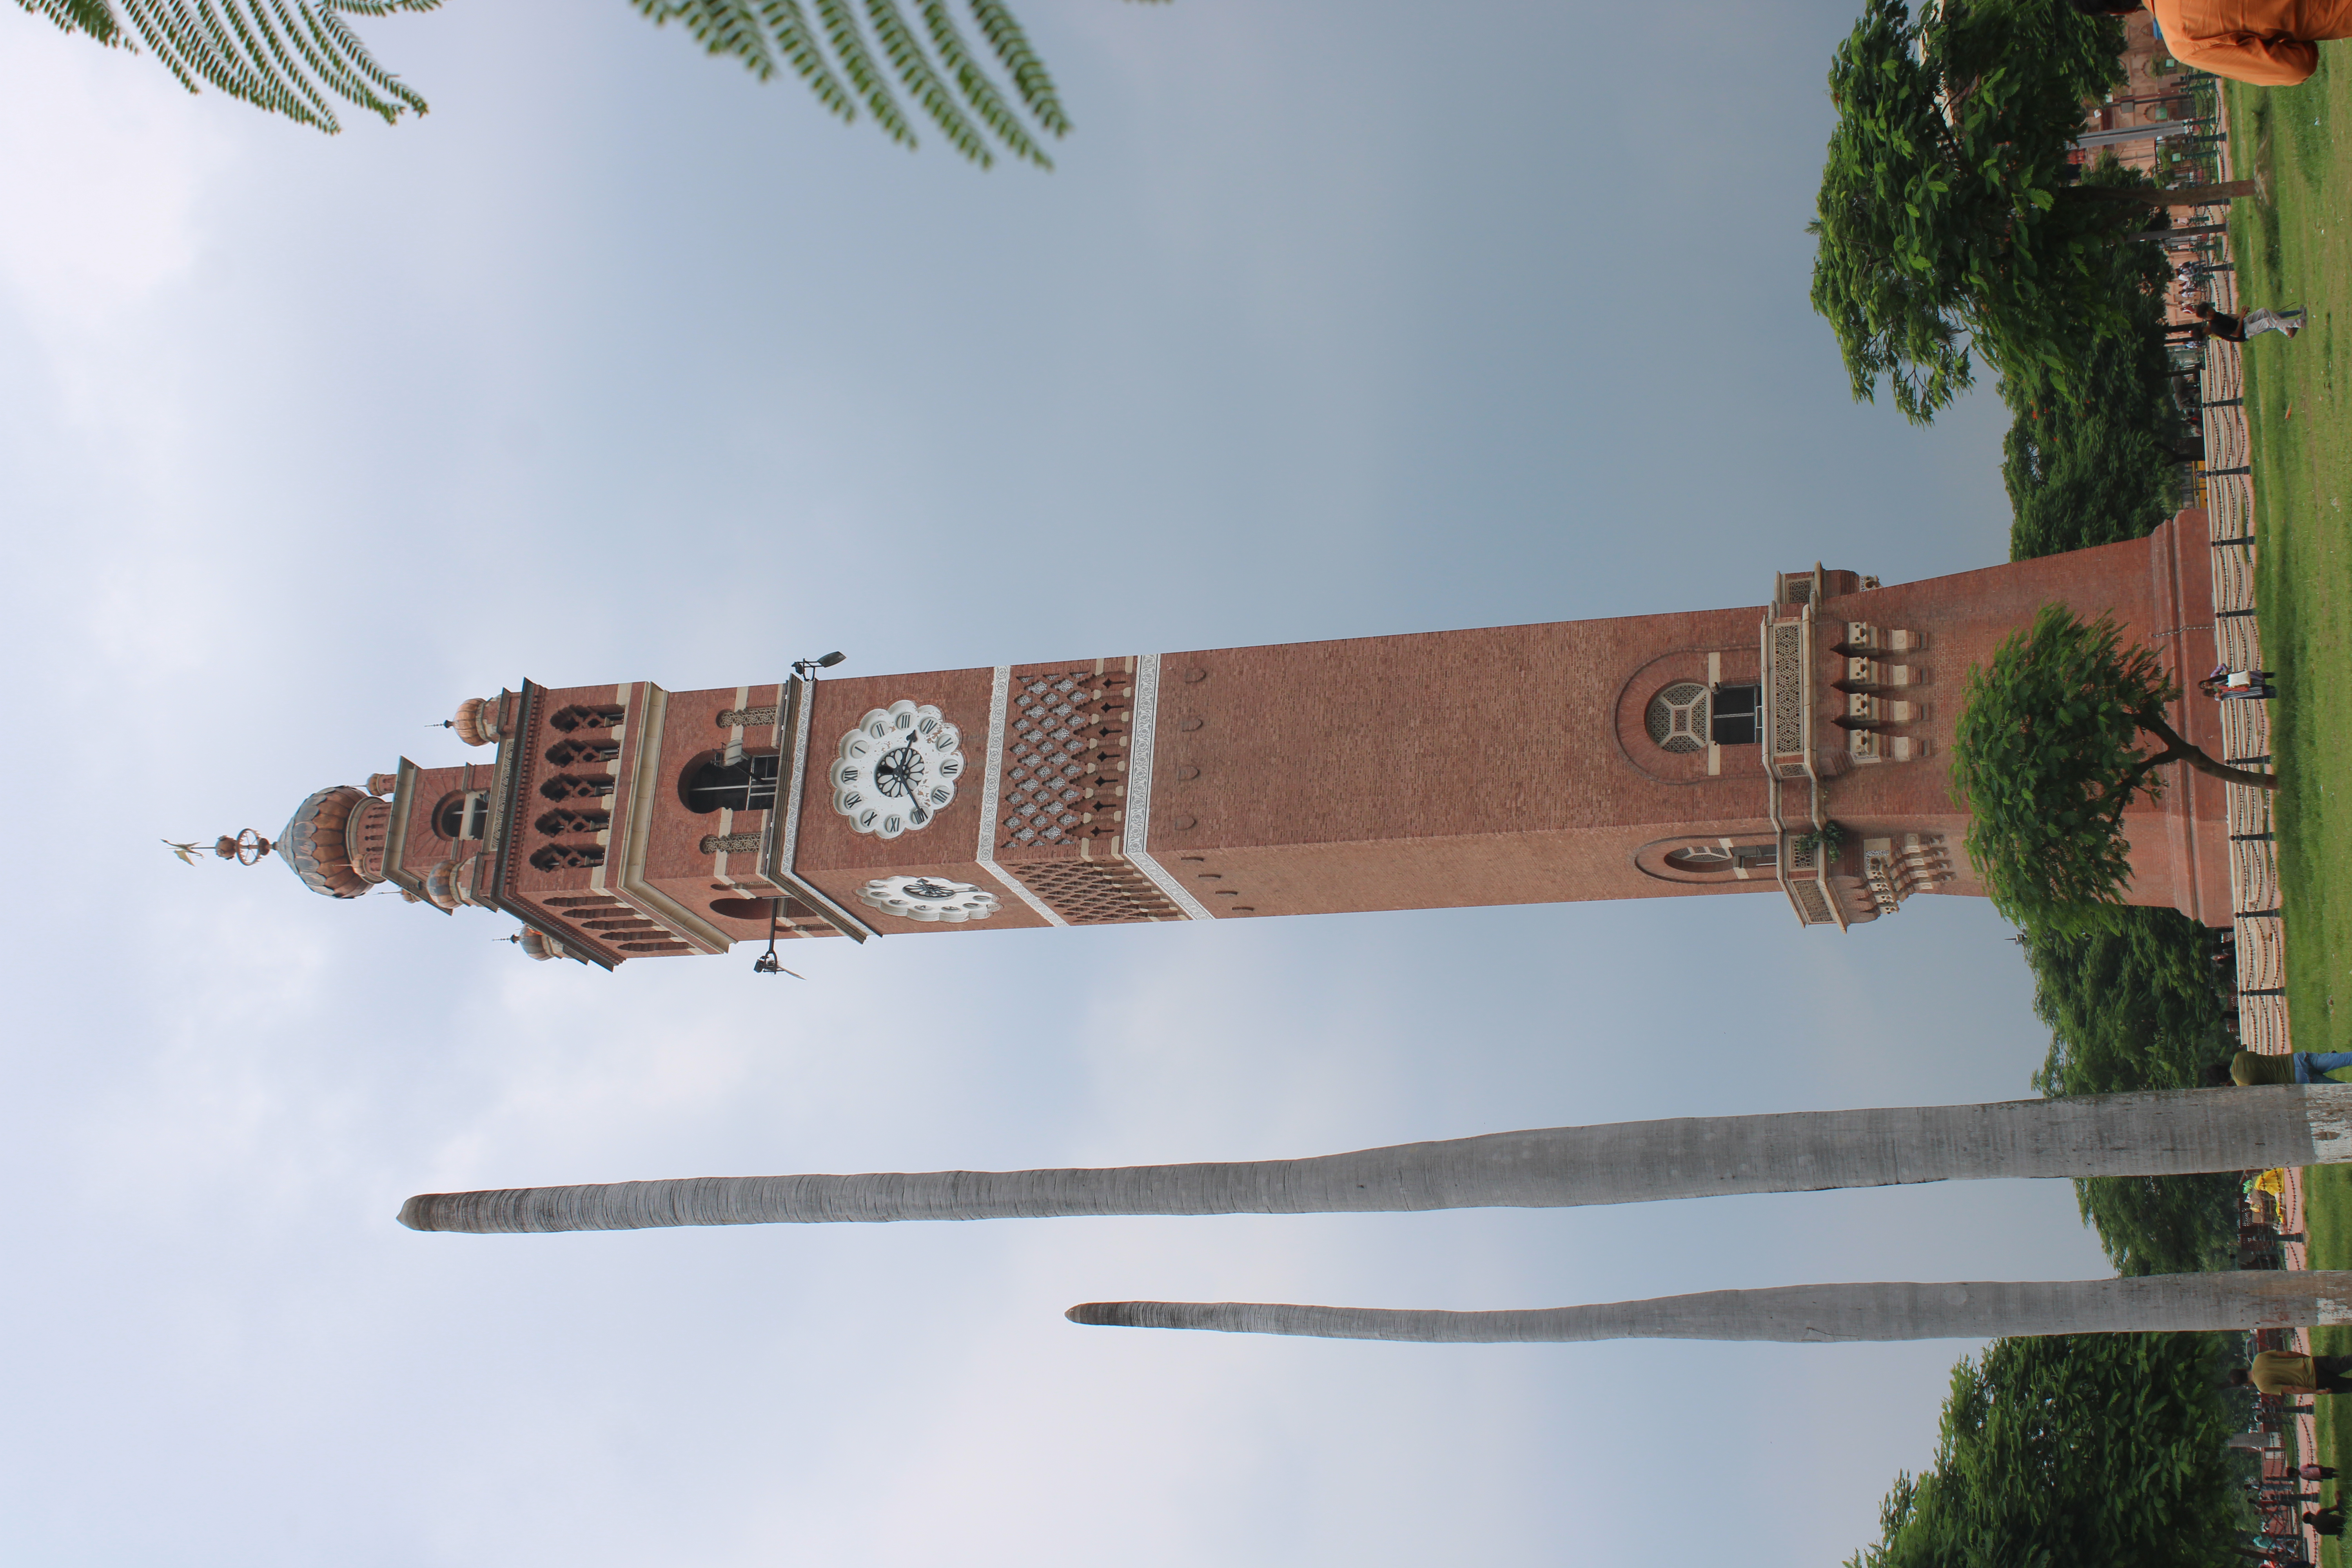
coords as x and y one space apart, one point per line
897 769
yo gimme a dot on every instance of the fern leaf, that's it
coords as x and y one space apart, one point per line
92 16
345 67
906 53
1029 76
284 56
360 64
726 28
798 41
858 65
978 90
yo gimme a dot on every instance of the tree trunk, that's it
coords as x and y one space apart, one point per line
1805 1314
2178 750
2172 1133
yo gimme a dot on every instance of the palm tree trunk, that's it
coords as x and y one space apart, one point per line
2172 1133
2177 748
1804 1314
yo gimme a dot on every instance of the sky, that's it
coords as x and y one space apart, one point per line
1333 320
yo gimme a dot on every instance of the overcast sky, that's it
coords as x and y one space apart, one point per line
1335 318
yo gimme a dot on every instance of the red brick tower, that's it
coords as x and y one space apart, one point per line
1694 754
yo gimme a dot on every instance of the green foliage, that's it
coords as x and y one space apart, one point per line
2093 463
284 56
288 55
1826 838
2046 754
1949 218
2076 1451
836 54
2132 1003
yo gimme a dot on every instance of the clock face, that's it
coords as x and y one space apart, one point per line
898 770
928 899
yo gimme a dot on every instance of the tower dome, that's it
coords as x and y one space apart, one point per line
476 721
321 844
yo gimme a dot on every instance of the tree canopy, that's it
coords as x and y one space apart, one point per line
2082 1451
292 57
2047 753
2132 1002
1949 219
2093 463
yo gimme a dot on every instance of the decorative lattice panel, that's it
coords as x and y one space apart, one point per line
1788 689
2245 731
1095 892
2253 875
1065 748
2261 954
2247 810
2262 1024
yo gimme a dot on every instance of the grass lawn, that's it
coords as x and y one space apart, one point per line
2296 248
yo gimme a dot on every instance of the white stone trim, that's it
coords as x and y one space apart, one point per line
2328 1108
1144 721
991 782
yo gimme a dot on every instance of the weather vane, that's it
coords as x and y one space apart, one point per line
246 849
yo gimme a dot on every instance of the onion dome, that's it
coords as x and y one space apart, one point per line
539 944
476 722
315 843
448 885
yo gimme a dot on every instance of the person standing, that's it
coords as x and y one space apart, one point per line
2248 1068
2254 323
2284 1372
2262 43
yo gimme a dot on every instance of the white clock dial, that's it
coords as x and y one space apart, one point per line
928 899
897 769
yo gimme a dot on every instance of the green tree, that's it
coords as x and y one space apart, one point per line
1949 220
2131 1004
291 56
2093 463
2076 1452
2047 753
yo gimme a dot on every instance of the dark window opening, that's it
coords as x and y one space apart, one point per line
565 753
747 783
462 816
569 856
581 716
1737 716
565 786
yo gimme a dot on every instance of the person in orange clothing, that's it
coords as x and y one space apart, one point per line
2264 43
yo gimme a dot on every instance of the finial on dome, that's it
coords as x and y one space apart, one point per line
246 849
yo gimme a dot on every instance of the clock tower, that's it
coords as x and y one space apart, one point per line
1794 751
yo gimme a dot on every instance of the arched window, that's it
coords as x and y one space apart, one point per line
588 716
464 815
1677 717
555 824
747 783
569 856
